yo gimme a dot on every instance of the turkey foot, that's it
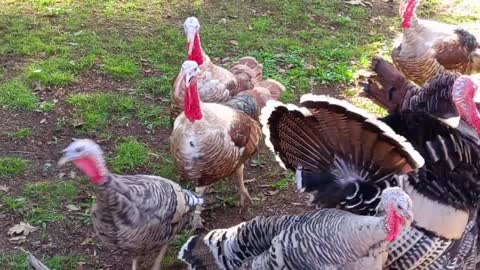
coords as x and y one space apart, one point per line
245 199
197 221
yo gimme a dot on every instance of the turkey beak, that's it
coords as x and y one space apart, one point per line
64 160
178 84
188 79
408 215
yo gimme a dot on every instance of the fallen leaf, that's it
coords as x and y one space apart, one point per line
234 42
18 239
272 192
4 188
43 120
250 27
72 207
22 228
87 241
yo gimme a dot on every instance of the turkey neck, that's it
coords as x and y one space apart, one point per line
197 51
192 107
437 217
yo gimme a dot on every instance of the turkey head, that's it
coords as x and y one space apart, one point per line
407 11
399 211
191 26
465 96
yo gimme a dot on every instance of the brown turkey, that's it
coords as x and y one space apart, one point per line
215 83
429 48
211 141
445 96
136 213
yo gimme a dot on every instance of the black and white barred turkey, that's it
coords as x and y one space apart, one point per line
323 239
325 142
136 213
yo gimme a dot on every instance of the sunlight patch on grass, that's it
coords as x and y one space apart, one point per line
12 166
15 94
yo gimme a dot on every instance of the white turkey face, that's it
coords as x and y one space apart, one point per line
396 197
80 149
190 70
191 26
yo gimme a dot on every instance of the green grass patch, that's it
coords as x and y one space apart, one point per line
15 94
153 116
12 166
45 200
121 66
93 111
284 182
166 167
129 155
161 86
52 72
22 133
11 261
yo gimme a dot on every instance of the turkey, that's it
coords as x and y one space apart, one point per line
211 141
215 83
429 48
443 96
324 239
136 213
326 142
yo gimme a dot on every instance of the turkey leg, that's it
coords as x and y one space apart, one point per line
134 263
197 221
158 261
245 198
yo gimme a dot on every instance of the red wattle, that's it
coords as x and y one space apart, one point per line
395 224
197 51
408 14
192 108
90 167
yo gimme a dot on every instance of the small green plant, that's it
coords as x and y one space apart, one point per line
47 106
283 183
129 155
15 94
22 133
157 86
12 166
121 66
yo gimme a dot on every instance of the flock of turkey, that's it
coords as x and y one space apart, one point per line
401 192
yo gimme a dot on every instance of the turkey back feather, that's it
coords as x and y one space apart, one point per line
339 152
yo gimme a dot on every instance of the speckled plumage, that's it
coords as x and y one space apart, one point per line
324 239
140 213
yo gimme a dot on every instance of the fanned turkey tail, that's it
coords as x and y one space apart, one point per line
388 87
252 101
247 72
340 153
229 248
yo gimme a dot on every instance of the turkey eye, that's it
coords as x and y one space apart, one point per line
79 149
400 207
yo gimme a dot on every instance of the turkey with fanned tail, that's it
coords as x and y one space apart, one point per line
330 145
326 239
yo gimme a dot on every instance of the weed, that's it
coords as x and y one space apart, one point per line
283 183
22 133
12 166
47 106
15 94
129 155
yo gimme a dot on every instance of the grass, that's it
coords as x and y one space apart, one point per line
20 134
15 94
12 166
121 66
129 155
11 261
42 202
284 182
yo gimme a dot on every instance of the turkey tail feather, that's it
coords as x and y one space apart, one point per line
342 154
197 254
388 88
